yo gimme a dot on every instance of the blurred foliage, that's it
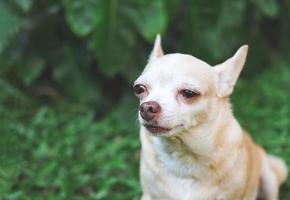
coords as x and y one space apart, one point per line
88 50
67 116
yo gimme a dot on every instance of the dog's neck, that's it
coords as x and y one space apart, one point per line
204 144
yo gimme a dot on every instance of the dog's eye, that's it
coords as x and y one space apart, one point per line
188 94
139 89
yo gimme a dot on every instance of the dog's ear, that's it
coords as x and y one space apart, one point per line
228 72
157 49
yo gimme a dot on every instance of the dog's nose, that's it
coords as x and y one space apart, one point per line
149 110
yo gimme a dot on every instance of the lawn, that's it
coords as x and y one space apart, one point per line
67 151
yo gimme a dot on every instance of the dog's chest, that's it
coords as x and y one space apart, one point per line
177 174
175 158
162 184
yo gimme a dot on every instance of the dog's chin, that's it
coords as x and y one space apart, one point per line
156 130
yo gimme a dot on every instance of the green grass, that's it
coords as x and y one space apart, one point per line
66 152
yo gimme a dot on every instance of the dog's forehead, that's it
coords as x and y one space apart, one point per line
178 66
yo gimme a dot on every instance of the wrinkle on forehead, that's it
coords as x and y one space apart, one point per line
183 68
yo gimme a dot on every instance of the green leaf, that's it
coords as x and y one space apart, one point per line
71 74
30 70
227 29
24 5
9 25
83 16
9 93
269 8
113 40
150 19
213 31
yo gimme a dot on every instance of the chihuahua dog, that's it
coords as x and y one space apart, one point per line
192 146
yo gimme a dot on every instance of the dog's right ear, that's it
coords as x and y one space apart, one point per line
157 49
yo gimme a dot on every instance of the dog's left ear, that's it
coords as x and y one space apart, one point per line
228 72
157 49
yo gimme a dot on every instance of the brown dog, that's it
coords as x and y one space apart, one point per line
192 146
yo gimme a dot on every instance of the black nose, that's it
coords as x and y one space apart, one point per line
149 110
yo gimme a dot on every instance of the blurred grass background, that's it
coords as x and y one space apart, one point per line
68 126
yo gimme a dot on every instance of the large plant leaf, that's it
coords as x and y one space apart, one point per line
228 29
215 30
270 8
10 93
25 5
113 39
150 18
9 25
83 16
72 76
30 70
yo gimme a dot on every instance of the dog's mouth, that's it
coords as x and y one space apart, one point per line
156 129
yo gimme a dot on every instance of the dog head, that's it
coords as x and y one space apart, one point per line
178 92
